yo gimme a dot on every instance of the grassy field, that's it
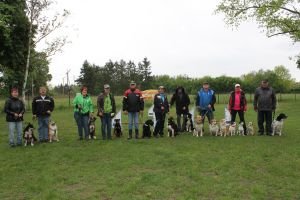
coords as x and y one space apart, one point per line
257 167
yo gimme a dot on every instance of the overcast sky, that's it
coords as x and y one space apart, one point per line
177 36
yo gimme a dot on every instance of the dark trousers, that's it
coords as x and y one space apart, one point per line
181 127
241 116
208 113
264 116
106 126
160 121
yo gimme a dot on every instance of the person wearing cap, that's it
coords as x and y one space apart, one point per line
205 100
42 107
238 105
264 104
133 104
14 109
106 111
182 100
83 110
161 108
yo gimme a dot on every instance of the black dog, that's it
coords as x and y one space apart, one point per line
146 128
172 127
92 128
28 135
189 123
118 128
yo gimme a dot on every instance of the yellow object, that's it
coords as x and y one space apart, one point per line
149 94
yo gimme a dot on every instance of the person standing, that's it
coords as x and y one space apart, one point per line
14 109
83 110
161 108
133 105
182 106
42 107
264 104
106 111
205 100
238 104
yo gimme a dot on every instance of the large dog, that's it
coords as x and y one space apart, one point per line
277 124
172 127
147 128
198 129
53 131
118 129
28 135
92 128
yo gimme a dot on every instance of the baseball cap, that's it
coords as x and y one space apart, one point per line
106 86
132 83
237 85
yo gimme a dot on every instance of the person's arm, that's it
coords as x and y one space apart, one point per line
141 102
167 108
173 99
256 94
33 105
197 100
245 103
274 100
125 101
52 105
213 99
91 106
6 107
188 100
113 103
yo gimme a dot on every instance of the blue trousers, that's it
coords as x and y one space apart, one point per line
43 127
106 126
82 122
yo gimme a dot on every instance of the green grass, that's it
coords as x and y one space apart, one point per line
186 167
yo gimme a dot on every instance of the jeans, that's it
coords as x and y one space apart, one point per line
12 126
263 116
133 120
82 122
160 121
106 126
183 126
241 116
209 114
43 128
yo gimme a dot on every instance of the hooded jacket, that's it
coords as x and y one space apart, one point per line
182 100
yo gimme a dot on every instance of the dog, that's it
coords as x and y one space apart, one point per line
92 128
146 128
214 128
118 129
52 131
241 129
198 129
277 124
232 128
172 127
250 128
28 135
189 127
223 128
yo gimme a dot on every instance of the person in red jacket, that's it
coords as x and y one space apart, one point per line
238 104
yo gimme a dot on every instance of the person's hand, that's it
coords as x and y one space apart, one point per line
255 108
33 117
112 114
162 107
16 114
209 106
48 111
79 106
183 108
100 114
91 115
125 112
20 115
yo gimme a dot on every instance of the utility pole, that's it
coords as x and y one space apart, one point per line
68 71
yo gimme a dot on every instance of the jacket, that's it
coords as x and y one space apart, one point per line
159 103
243 101
264 99
182 100
40 106
12 106
133 101
100 103
203 100
83 105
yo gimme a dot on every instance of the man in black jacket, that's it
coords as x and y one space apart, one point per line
106 111
264 103
161 108
182 106
42 107
14 109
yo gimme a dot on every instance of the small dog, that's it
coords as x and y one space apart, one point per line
214 128
28 135
250 128
92 128
223 128
232 128
198 130
241 129
146 128
52 131
118 129
172 127
277 124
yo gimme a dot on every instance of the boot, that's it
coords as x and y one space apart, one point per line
130 135
136 133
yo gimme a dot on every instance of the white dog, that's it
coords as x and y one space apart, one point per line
277 124
250 129
214 128
232 128
52 131
198 129
223 128
241 130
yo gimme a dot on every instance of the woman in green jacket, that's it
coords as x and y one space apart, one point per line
83 109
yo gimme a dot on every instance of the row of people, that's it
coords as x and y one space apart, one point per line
133 106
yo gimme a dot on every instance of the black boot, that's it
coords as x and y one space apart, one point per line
130 135
136 133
